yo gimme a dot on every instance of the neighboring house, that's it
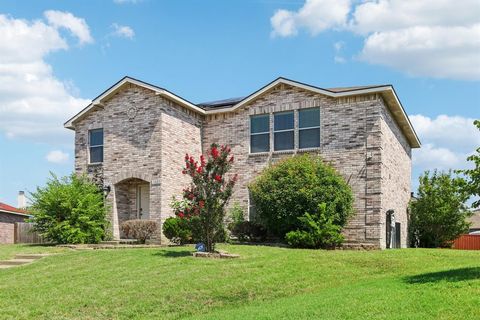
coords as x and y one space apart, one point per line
133 137
475 222
8 217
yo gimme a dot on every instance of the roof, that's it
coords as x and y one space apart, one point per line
230 105
9 209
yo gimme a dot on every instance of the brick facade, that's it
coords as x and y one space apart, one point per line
359 137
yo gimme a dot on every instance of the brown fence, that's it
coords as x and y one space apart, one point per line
24 233
467 242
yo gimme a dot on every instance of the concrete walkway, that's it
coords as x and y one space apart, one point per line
21 259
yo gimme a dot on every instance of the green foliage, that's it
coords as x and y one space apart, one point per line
141 230
473 175
438 215
69 210
236 213
177 230
248 231
318 231
288 189
208 194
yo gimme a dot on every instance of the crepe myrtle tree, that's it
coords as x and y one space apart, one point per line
206 197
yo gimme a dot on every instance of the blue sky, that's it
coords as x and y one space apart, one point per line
55 56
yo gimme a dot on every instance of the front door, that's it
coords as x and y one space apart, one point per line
143 202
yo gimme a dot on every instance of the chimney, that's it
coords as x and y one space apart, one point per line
22 202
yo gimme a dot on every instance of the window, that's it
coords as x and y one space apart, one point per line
260 133
283 131
309 128
95 141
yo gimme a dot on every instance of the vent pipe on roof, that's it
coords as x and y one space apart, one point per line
21 201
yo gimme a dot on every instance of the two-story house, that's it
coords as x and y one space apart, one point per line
133 137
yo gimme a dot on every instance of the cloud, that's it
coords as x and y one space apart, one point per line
33 102
77 26
338 46
123 31
447 141
57 156
420 38
315 16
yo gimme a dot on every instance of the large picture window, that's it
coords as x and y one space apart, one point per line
283 131
95 144
309 128
260 133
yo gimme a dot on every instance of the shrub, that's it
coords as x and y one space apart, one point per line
248 230
141 230
69 210
318 231
438 214
207 195
177 230
291 187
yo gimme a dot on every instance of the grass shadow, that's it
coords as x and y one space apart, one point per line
453 275
173 254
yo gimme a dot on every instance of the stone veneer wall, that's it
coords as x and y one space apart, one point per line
146 146
350 141
396 174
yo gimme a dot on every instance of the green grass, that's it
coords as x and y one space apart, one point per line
265 283
9 251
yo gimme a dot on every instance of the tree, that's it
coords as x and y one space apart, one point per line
294 186
473 175
208 193
69 210
438 215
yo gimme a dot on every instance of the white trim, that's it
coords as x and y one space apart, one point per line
17 213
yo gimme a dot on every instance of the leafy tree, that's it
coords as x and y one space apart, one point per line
473 175
290 188
207 194
69 210
438 215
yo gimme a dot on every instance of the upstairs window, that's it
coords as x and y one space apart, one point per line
95 144
309 128
260 133
284 133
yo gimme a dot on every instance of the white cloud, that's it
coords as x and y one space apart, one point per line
315 16
123 31
447 141
57 156
338 46
33 102
77 26
433 38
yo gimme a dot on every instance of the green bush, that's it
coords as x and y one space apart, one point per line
177 230
248 230
291 187
318 231
69 210
141 230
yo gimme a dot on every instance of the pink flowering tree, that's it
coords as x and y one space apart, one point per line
211 188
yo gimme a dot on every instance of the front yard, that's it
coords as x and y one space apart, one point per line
265 283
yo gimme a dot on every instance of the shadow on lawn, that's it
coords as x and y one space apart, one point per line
173 254
448 275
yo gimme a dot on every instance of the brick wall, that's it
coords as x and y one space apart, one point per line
7 233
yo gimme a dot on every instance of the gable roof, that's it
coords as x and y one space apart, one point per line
9 209
229 105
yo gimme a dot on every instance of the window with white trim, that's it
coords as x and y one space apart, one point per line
260 133
283 131
95 145
309 128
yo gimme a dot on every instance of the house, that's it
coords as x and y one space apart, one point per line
475 222
8 217
133 137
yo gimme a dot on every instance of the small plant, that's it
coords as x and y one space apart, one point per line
236 213
69 210
318 231
141 230
248 230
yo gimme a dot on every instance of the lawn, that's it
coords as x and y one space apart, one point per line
265 283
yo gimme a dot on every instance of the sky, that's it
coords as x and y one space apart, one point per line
56 56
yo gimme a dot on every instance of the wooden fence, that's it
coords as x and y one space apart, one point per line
467 242
24 233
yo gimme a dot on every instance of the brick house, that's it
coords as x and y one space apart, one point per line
133 137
